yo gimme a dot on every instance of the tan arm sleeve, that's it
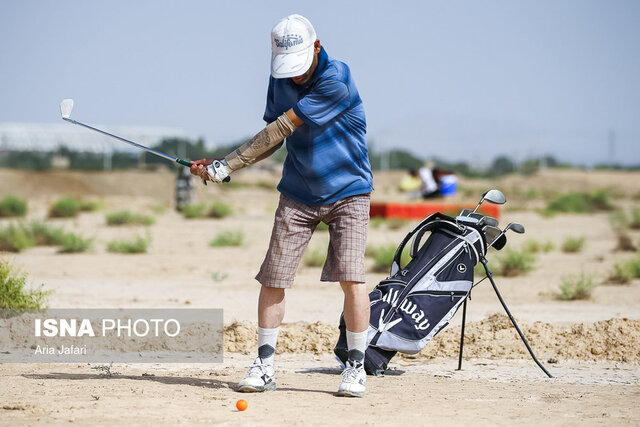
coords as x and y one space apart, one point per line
265 143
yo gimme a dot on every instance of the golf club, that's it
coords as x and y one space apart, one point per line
492 196
65 110
514 226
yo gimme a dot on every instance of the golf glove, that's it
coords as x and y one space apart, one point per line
218 171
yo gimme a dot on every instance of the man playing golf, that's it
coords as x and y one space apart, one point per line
313 102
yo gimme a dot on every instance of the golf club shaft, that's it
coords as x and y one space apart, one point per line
150 150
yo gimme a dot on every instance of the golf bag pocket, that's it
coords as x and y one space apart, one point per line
418 319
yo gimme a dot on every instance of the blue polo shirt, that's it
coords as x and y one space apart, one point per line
327 156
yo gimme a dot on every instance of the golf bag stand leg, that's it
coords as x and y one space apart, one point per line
513 321
464 317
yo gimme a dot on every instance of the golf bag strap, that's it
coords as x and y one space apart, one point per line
429 223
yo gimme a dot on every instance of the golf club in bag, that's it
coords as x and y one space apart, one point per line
418 300
66 106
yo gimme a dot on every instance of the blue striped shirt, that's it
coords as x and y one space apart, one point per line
327 156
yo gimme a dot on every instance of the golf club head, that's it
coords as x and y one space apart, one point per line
465 212
65 108
491 233
495 196
488 220
514 226
500 242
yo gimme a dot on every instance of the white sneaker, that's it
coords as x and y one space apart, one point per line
354 379
261 377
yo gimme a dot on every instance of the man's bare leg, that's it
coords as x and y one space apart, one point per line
270 307
356 306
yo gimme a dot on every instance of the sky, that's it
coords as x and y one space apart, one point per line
458 80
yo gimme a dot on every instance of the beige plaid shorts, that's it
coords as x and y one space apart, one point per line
348 221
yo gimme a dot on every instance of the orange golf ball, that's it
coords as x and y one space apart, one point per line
241 405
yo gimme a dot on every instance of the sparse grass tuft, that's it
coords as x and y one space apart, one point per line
625 271
576 287
138 245
72 243
89 205
64 208
376 222
228 238
45 234
383 257
194 211
581 202
12 206
219 276
15 238
220 210
128 218
535 246
315 257
573 244
618 220
14 293
515 263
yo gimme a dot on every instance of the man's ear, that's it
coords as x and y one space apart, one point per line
316 46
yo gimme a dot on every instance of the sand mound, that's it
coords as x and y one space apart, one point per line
614 339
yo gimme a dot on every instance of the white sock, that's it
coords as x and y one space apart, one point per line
267 339
357 344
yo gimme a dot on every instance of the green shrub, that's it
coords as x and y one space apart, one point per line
514 263
138 245
74 243
581 202
220 210
89 206
576 287
45 234
535 246
128 218
64 208
228 238
625 271
15 238
573 244
194 211
383 257
14 293
315 257
12 206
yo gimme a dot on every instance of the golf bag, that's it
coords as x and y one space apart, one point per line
417 301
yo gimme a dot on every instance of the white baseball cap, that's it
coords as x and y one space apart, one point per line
292 40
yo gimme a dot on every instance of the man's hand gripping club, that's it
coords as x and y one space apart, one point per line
211 170
265 143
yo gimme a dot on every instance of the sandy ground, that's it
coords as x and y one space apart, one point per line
497 386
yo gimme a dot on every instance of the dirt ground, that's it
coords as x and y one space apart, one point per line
594 344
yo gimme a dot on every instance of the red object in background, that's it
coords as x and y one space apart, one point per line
423 210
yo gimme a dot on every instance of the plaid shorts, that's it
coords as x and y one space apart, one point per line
348 220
